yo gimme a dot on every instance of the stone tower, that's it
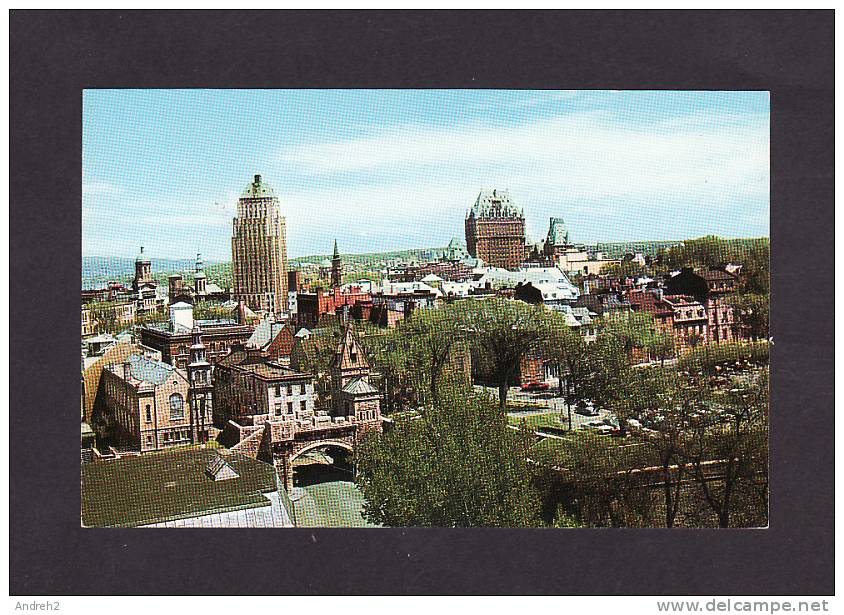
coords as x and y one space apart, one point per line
199 276
201 387
259 250
143 270
353 395
336 268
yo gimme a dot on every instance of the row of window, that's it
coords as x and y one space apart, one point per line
303 406
302 389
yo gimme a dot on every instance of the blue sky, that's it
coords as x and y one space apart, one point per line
394 169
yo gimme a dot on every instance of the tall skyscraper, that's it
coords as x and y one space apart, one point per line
259 250
495 230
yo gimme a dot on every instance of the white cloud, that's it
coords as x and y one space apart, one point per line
664 179
98 188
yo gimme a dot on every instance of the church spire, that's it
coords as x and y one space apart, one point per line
336 268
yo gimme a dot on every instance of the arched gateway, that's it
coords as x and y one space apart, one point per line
353 409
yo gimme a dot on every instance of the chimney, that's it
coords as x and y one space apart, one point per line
241 306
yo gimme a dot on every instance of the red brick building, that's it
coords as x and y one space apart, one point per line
495 230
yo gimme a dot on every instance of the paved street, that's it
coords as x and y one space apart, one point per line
548 400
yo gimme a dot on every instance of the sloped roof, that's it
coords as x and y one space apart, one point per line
148 370
219 469
359 386
349 353
265 332
495 204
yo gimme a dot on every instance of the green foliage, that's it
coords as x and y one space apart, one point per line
106 316
624 269
502 332
631 330
712 251
205 310
751 311
712 358
457 466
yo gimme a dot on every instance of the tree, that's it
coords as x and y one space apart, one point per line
457 465
567 348
431 335
631 329
623 269
503 332
661 346
105 315
674 401
751 312
733 434
205 310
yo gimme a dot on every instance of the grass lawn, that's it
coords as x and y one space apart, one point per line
572 451
538 420
168 485
332 504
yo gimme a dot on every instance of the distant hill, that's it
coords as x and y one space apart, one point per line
97 270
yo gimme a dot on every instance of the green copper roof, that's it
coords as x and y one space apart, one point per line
141 258
258 190
495 204
557 234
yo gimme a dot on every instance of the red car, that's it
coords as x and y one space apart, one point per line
536 386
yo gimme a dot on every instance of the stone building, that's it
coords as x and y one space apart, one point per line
144 285
202 289
495 230
173 339
250 389
259 250
712 288
145 405
272 413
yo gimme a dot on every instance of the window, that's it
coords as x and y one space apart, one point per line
149 414
278 390
177 407
278 408
302 389
303 406
290 389
290 407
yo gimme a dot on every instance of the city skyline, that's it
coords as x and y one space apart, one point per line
395 169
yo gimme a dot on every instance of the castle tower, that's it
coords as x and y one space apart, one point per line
199 276
143 270
352 394
495 230
201 387
259 250
336 268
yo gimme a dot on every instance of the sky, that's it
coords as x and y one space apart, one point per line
395 169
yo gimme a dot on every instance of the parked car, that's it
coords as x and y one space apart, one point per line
535 386
586 409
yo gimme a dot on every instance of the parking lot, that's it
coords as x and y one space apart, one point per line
546 401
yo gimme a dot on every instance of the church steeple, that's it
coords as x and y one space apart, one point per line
336 268
199 275
201 388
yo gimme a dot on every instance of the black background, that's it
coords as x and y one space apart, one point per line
54 55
